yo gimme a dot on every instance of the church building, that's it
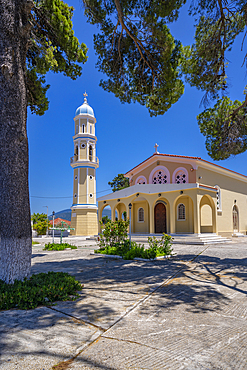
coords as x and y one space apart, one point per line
178 194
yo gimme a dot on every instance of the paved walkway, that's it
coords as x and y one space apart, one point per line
189 312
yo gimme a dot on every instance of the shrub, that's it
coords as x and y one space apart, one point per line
114 232
156 248
58 247
40 289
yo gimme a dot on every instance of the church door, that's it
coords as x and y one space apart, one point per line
160 218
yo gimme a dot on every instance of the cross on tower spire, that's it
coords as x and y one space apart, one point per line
156 148
85 97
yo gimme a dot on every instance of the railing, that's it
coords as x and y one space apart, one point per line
76 158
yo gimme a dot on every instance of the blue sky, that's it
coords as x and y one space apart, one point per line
126 133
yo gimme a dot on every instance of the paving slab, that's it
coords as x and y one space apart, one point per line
40 338
182 313
198 320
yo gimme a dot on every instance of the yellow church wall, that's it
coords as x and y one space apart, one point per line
140 227
184 226
225 218
231 189
171 166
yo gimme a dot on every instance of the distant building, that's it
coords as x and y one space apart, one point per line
58 222
180 194
84 209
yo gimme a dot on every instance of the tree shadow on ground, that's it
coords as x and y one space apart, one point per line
113 286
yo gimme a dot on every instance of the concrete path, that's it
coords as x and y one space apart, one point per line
182 313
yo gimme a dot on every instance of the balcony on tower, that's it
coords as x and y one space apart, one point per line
76 159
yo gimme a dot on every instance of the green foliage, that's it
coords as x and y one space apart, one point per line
105 219
156 248
143 62
40 223
40 289
225 128
114 233
119 182
58 247
52 47
34 243
137 52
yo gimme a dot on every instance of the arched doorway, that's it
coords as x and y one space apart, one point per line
235 219
160 218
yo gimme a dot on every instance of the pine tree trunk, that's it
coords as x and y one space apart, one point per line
15 225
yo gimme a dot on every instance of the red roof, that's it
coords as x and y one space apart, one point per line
185 156
58 221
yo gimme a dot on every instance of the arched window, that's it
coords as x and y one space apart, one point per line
83 129
141 180
160 177
180 176
218 196
141 215
90 152
181 211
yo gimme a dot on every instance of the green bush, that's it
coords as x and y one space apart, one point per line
156 248
40 289
113 232
58 247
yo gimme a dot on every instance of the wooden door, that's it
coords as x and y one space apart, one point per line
160 218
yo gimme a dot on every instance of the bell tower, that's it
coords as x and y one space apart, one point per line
84 217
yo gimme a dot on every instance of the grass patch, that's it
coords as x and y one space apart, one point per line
39 289
33 242
58 247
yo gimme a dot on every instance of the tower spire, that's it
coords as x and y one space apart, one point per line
85 97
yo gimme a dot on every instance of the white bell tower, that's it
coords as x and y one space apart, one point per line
84 217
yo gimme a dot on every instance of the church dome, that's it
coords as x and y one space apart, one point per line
85 108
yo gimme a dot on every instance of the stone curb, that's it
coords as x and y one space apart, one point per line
135 259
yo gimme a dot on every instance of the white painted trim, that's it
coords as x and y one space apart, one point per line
179 219
78 185
82 136
87 187
141 177
140 222
88 206
157 169
151 189
85 115
195 163
158 157
180 169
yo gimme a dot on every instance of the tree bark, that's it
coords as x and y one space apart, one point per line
15 225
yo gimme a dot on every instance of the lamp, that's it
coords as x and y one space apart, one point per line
130 206
53 216
181 192
159 195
